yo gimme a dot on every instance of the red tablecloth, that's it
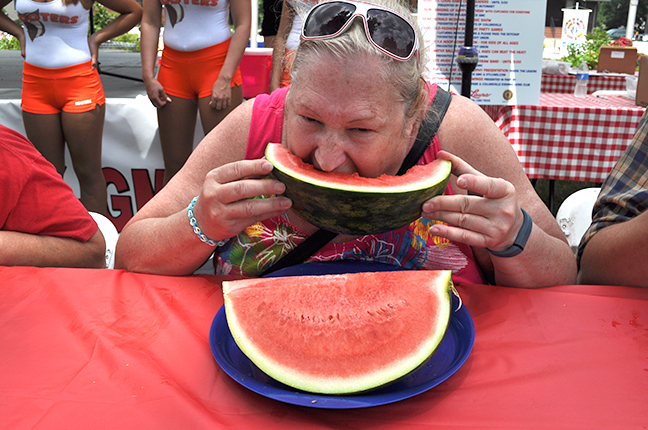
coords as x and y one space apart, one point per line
565 83
107 349
568 138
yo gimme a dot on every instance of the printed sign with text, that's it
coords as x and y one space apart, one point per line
509 36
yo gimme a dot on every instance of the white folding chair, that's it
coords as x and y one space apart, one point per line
110 235
575 215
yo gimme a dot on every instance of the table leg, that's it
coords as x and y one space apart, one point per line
552 184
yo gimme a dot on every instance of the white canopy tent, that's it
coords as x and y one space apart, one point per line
632 15
254 28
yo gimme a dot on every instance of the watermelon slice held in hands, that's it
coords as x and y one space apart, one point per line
339 334
351 204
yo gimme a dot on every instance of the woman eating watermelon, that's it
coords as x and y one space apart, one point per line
358 103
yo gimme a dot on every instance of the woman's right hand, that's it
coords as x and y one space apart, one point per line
156 93
229 200
21 40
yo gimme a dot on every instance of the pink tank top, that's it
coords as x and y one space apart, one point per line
263 243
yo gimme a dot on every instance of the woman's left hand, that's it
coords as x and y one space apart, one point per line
488 216
221 97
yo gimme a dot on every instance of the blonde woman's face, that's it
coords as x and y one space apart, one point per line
341 116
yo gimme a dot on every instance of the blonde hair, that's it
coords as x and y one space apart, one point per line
405 76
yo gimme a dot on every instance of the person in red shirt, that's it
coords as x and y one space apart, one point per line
42 222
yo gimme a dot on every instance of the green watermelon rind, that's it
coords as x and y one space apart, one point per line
379 378
359 212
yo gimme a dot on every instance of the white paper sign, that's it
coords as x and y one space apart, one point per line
509 37
574 27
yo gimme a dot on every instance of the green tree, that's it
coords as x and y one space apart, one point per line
7 41
614 14
101 16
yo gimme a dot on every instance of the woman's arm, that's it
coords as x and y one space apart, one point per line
9 26
492 219
279 50
130 14
149 43
617 255
222 89
24 249
160 239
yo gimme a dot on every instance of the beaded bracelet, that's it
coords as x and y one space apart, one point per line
520 239
197 230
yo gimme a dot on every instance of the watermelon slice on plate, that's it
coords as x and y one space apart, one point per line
450 354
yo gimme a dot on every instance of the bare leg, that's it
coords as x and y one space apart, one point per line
46 133
177 122
83 133
210 117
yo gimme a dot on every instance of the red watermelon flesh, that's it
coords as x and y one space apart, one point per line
416 177
339 334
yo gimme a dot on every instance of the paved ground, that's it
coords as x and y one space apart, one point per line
126 65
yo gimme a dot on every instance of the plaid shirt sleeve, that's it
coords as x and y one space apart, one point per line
624 193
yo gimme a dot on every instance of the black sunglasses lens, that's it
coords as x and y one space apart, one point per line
391 32
328 18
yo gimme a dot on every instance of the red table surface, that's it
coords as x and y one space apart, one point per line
107 349
567 138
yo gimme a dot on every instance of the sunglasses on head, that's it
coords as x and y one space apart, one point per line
386 29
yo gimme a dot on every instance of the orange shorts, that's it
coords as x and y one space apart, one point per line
191 74
73 89
285 79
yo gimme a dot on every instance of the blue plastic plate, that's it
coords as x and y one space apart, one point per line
446 360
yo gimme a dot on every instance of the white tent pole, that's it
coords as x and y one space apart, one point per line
632 15
254 28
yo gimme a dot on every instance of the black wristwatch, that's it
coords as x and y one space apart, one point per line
520 240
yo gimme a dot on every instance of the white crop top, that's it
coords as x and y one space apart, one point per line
292 41
195 24
56 35
300 8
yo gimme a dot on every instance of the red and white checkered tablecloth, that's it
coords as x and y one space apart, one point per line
564 84
567 138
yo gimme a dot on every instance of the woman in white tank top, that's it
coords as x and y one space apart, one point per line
287 39
199 69
62 97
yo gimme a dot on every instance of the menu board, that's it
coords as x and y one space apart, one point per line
509 38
